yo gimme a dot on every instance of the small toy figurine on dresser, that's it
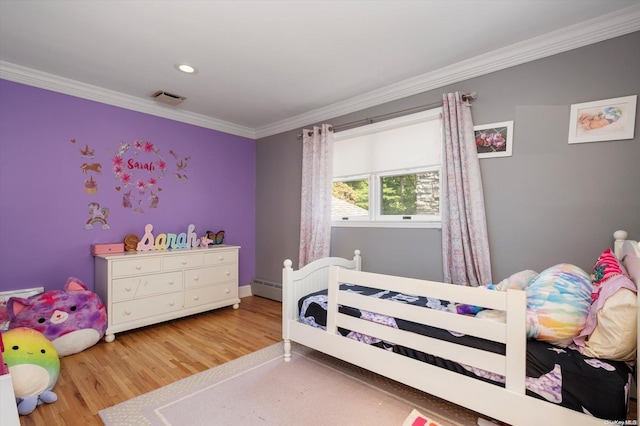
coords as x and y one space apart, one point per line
215 238
205 241
211 238
73 319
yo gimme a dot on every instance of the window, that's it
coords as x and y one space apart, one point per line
351 198
388 173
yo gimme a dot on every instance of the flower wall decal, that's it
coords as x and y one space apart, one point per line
139 166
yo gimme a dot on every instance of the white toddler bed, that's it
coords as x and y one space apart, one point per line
509 404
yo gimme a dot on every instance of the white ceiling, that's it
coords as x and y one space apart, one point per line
269 66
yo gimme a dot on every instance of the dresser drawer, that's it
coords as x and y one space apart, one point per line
211 275
142 286
220 257
145 265
137 309
177 262
215 293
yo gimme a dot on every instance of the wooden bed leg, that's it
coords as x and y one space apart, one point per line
287 350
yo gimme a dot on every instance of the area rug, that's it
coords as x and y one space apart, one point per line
260 388
416 418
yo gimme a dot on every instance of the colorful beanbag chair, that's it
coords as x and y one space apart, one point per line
558 301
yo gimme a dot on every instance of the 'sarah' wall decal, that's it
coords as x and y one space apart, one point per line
139 168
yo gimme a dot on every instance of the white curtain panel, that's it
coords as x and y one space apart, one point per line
465 242
317 176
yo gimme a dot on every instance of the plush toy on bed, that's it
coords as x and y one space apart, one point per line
73 319
518 281
558 300
34 366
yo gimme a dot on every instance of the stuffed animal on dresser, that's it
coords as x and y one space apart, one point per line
34 366
73 318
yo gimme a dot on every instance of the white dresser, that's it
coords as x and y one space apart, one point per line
148 287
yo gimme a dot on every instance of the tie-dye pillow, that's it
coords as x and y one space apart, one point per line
558 301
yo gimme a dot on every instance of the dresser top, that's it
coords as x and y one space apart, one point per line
219 247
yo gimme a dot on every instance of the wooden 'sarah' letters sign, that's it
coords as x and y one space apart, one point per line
166 241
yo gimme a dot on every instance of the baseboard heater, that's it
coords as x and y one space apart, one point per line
267 289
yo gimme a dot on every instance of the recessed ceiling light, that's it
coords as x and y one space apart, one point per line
188 69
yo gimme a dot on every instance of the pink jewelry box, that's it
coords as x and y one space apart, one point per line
107 248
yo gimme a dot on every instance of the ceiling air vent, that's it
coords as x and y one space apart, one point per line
168 98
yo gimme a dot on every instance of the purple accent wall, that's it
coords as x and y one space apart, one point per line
44 206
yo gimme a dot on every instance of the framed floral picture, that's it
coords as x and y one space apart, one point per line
606 120
494 140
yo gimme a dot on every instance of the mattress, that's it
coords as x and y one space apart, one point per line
558 375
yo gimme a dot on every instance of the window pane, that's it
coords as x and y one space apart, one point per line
350 198
411 194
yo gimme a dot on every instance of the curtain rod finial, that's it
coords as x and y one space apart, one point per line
467 97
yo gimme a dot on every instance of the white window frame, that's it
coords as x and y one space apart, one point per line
375 218
408 219
361 218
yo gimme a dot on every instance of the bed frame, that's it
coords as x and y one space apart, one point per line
509 404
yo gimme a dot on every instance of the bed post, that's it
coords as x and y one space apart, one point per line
357 259
619 236
287 297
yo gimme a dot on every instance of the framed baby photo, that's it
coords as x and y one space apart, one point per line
607 120
494 140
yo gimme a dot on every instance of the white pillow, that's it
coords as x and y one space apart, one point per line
493 315
615 335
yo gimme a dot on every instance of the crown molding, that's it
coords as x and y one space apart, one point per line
42 80
595 30
603 28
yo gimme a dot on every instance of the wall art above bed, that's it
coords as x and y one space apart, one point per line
606 120
494 140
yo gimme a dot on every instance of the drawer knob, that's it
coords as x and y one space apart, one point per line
171 303
127 312
227 273
170 282
227 291
127 289
184 262
196 297
221 257
138 267
196 278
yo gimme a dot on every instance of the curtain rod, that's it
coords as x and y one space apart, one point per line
466 97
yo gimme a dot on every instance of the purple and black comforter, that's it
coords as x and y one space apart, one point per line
559 375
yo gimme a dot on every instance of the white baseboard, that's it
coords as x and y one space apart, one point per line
244 291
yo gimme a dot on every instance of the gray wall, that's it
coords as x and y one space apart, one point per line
550 202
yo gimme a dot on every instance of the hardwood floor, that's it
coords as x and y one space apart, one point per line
142 360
